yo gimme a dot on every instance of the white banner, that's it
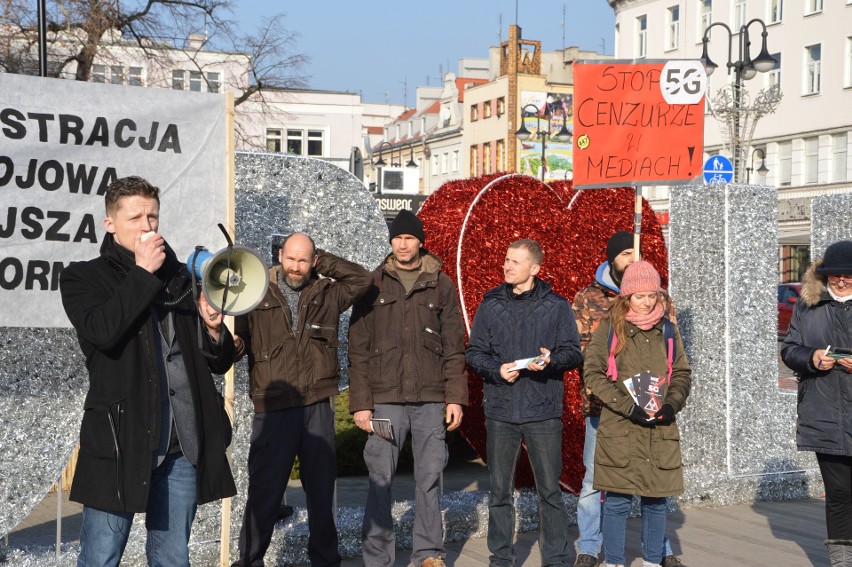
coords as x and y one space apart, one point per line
62 143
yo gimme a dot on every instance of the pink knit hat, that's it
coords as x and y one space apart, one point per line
639 276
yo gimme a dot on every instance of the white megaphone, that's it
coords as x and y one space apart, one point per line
233 280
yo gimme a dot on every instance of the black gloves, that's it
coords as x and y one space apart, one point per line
665 416
638 416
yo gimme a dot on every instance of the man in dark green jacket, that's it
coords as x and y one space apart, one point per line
291 341
153 433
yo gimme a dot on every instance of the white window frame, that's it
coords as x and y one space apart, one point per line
705 18
435 167
739 16
214 81
812 70
275 136
673 28
773 77
196 80
785 163
813 7
811 146
312 135
456 161
775 12
136 76
178 80
847 63
99 74
116 75
641 37
839 157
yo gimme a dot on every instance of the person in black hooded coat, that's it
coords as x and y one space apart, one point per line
822 319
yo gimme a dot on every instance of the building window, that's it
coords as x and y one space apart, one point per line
456 164
195 78
294 142
134 76
445 163
474 112
315 138
486 109
273 140
178 80
641 36
673 28
486 158
739 13
812 160
501 106
705 17
474 161
847 71
813 6
213 83
116 73
839 156
434 165
774 76
785 163
776 11
813 57
98 73
423 125
501 155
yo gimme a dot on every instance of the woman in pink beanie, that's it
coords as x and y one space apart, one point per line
636 365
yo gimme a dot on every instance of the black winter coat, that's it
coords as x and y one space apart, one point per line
108 300
506 329
824 422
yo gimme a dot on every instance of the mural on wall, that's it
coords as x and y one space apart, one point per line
553 109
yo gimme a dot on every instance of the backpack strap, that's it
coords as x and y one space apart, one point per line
671 347
611 366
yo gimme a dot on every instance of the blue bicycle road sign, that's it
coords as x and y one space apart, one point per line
718 169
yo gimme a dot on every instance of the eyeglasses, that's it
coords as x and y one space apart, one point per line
846 278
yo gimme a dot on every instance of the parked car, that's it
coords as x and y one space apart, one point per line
788 295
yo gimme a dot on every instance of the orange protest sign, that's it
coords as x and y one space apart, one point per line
631 125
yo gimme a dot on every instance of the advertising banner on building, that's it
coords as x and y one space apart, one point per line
638 123
62 143
540 111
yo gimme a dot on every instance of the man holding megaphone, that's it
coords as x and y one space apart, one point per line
153 433
291 339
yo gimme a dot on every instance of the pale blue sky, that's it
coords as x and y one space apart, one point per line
375 46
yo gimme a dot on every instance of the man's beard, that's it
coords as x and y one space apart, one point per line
295 285
617 275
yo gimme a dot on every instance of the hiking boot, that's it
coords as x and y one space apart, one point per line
586 560
433 562
672 561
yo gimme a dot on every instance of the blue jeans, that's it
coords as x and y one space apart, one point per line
589 502
616 508
171 509
544 446
589 505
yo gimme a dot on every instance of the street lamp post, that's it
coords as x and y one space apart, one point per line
564 134
762 170
742 117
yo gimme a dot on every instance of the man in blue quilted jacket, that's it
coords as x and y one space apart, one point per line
524 339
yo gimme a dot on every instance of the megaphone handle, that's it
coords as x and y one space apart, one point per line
227 236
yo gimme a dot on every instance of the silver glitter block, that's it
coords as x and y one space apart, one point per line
830 222
738 428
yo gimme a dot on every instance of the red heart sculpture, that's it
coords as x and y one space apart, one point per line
470 223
